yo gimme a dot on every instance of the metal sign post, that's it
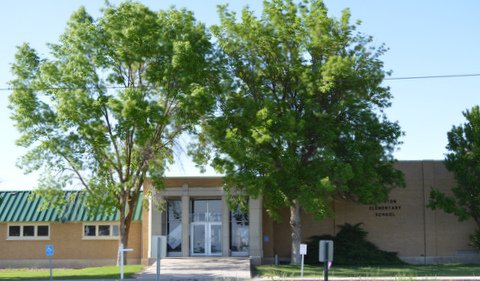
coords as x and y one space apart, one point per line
122 251
49 251
325 255
325 264
159 247
303 252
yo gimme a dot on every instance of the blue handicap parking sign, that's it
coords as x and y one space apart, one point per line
49 250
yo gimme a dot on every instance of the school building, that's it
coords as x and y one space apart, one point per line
195 220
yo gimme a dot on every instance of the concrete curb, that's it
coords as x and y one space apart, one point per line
401 278
130 279
406 278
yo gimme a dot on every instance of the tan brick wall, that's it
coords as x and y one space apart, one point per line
69 244
282 232
193 182
450 235
403 224
268 236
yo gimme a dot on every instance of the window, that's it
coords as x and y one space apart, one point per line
100 231
14 231
174 227
90 230
104 230
239 233
28 231
115 230
42 230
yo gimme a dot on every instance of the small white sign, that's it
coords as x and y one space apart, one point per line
303 249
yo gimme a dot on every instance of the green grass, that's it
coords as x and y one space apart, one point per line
105 272
371 271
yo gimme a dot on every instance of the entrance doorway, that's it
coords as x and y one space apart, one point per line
206 228
206 239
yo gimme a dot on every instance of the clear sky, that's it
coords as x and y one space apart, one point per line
424 37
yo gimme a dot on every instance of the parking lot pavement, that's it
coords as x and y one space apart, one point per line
199 269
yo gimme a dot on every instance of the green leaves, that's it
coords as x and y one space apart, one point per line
302 118
463 159
105 108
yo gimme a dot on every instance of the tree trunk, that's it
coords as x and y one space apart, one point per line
126 215
123 240
296 224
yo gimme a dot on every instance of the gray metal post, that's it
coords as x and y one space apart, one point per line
51 264
159 247
121 261
325 270
302 264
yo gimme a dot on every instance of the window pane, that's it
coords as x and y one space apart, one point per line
14 231
215 210
104 230
115 230
174 226
215 238
89 230
28 231
239 232
199 236
199 209
42 230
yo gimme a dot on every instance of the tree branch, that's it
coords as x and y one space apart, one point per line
114 143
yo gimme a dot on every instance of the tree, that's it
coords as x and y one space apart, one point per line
105 108
463 160
303 121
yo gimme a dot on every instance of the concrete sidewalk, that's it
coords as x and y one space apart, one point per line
195 269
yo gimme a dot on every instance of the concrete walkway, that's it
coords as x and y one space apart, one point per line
196 269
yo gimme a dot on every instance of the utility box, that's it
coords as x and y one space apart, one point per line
325 251
163 246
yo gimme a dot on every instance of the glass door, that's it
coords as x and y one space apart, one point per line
215 235
206 239
199 235
206 228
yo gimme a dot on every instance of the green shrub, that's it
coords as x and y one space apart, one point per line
352 248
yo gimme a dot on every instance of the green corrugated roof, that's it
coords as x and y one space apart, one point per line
23 206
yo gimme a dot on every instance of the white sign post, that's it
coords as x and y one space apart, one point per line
49 251
122 251
303 252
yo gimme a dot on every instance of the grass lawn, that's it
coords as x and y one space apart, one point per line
105 272
371 271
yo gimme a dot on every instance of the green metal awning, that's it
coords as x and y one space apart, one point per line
24 206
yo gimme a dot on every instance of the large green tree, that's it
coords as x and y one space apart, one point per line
103 110
463 160
303 121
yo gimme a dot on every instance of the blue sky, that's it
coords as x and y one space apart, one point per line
424 38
